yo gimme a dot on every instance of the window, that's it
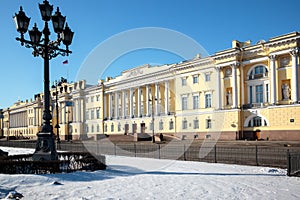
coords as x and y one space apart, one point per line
196 123
98 113
87 129
161 125
97 97
195 102
92 114
92 99
87 100
171 125
105 127
92 128
183 81
184 124
207 100
258 85
258 72
119 127
87 115
112 127
98 128
207 77
259 93
256 122
195 79
151 126
184 103
208 123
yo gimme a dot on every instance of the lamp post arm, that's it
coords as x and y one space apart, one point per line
53 49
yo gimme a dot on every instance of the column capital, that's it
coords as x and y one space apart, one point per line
218 69
272 57
294 51
235 65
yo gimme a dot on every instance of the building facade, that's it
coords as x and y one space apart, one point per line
250 91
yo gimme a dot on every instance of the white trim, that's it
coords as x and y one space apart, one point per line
256 115
255 60
226 64
278 53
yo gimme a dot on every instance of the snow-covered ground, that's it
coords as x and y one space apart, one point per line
142 178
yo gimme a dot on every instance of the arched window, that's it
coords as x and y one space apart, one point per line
258 72
256 121
258 85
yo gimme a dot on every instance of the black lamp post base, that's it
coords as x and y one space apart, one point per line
45 147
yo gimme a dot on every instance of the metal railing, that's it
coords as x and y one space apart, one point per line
293 163
246 155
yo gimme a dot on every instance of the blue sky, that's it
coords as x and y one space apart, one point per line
213 24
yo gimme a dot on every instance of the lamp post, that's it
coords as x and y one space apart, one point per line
45 148
55 85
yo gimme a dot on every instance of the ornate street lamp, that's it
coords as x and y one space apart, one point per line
42 46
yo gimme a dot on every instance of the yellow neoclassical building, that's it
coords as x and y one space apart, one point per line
249 91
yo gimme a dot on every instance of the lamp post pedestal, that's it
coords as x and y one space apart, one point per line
45 147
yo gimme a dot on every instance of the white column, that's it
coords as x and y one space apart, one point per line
295 76
219 90
76 103
249 100
34 117
147 100
139 102
242 85
104 106
110 105
234 86
74 110
116 105
265 92
65 113
156 102
273 79
131 103
166 97
123 104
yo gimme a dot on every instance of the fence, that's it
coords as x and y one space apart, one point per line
293 163
247 155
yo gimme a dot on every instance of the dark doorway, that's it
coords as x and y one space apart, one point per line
126 128
143 127
134 128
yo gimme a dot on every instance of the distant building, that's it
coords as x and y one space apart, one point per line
245 92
